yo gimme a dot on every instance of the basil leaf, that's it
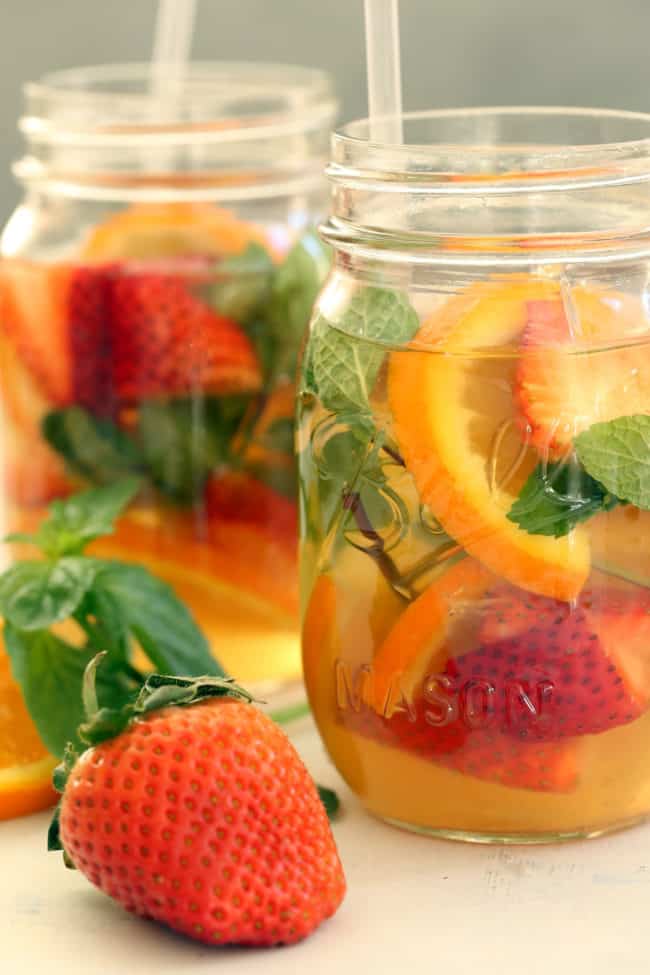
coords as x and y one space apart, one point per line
34 595
77 520
96 449
158 619
346 356
617 453
558 496
50 673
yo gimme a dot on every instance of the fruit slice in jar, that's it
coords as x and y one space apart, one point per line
457 430
171 230
34 318
25 766
167 341
571 375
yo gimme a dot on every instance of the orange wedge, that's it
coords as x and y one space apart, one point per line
34 317
161 230
25 766
421 633
457 430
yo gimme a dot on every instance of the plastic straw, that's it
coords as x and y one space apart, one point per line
172 42
384 74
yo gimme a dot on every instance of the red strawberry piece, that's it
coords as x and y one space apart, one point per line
559 389
236 496
482 753
168 342
550 677
204 818
89 302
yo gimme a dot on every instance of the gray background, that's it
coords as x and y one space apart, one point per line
454 52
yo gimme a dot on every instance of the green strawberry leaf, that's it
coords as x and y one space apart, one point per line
617 453
157 619
75 521
182 442
346 355
242 283
557 497
50 673
330 800
34 595
96 449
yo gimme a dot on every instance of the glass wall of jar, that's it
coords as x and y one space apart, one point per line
474 442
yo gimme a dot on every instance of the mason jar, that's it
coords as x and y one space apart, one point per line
474 454
156 281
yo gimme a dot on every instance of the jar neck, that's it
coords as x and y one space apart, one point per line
495 184
227 132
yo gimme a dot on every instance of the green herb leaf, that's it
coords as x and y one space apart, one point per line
346 356
617 453
243 283
75 521
279 436
50 673
96 449
183 441
34 595
294 289
330 800
557 497
157 618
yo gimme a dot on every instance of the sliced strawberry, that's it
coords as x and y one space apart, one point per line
481 753
166 341
89 302
552 677
238 497
569 377
33 316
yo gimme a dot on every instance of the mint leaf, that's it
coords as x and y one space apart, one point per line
183 441
242 283
346 356
96 449
295 287
157 618
279 436
34 595
557 497
75 521
617 453
50 673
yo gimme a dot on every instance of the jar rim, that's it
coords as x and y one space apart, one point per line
213 101
499 147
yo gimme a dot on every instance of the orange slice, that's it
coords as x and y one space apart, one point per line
161 230
25 766
457 429
421 633
34 317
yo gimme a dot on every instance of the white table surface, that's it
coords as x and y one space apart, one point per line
413 904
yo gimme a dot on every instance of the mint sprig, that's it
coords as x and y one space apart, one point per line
117 607
347 354
557 497
617 453
610 466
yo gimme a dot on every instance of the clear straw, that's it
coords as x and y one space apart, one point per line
172 43
384 74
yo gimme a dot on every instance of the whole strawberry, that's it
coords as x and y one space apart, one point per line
200 814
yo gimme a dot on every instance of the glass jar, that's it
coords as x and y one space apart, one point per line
156 282
474 442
